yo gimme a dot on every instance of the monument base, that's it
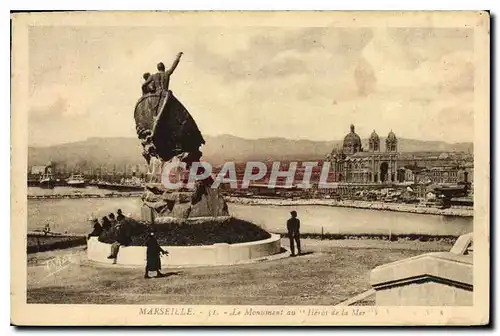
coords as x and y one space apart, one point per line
188 256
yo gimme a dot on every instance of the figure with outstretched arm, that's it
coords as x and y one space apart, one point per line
161 80
175 64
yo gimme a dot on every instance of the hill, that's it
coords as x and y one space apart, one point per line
95 152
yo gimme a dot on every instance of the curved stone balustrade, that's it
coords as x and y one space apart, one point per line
206 255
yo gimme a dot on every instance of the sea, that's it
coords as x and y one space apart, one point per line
71 216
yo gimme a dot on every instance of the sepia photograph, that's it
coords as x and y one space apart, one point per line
250 168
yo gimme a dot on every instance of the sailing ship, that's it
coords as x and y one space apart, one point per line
76 180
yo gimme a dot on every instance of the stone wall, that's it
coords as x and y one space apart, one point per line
432 279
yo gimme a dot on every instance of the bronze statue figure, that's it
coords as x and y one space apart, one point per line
169 133
164 126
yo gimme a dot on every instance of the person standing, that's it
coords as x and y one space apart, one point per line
293 227
153 261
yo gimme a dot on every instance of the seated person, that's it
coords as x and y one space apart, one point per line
106 224
46 229
97 229
119 215
122 234
112 219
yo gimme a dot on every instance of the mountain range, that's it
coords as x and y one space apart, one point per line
95 152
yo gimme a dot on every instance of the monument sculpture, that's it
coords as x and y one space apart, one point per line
191 222
168 134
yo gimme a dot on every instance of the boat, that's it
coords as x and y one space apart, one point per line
47 181
133 184
33 182
76 180
456 190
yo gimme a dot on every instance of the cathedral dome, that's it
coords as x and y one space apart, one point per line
352 140
374 136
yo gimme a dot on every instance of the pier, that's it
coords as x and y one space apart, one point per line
80 196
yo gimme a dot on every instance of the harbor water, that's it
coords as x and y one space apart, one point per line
71 215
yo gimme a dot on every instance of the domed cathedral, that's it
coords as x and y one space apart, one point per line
354 165
351 164
352 142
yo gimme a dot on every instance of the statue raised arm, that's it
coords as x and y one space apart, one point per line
163 124
175 64
160 81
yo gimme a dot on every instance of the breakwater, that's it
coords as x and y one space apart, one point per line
39 242
80 196
397 207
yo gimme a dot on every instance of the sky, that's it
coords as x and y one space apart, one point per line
255 82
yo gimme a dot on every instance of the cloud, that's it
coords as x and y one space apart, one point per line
48 111
260 56
365 77
254 81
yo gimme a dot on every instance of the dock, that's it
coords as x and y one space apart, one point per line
80 196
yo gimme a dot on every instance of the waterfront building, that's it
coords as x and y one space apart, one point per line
352 164
38 170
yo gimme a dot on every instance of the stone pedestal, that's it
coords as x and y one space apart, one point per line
197 200
432 279
207 203
147 214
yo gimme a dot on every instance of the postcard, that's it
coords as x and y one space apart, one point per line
250 168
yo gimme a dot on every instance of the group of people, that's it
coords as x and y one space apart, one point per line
159 81
117 227
120 228
153 248
107 223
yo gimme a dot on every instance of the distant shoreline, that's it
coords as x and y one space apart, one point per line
398 207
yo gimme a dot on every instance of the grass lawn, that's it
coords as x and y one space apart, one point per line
332 272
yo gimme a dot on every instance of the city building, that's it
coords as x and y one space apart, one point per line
38 170
352 164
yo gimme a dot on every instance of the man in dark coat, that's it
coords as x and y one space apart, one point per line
293 226
153 251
